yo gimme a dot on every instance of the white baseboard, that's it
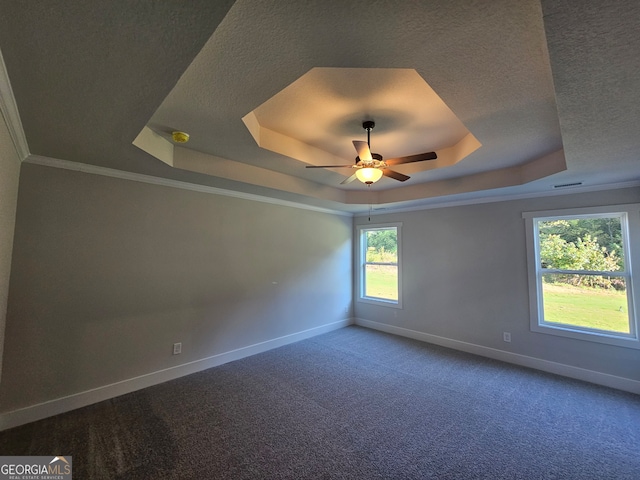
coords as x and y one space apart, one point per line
88 397
591 376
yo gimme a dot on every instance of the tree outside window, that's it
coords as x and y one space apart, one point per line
581 277
379 277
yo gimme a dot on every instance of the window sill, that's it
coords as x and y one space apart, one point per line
380 302
612 338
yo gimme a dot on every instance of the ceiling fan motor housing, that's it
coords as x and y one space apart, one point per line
376 157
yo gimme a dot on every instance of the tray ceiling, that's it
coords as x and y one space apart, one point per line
546 91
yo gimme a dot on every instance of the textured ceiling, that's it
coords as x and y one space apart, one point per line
526 78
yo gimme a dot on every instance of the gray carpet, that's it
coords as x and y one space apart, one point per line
353 404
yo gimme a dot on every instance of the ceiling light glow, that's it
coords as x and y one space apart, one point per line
368 175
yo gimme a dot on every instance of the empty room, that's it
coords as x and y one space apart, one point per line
324 239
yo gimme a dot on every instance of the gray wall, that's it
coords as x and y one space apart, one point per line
465 278
107 274
9 175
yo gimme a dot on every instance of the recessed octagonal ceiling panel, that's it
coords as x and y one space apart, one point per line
314 119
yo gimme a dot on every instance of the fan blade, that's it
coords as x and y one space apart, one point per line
348 180
328 166
363 150
412 158
395 175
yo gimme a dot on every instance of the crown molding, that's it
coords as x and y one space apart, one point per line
9 111
138 177
502 198
166 182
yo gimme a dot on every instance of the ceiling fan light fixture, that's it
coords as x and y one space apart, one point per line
370 167
368 175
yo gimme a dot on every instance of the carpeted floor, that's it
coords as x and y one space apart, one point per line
352 404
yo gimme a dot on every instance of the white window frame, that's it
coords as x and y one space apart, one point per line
630 219
362 263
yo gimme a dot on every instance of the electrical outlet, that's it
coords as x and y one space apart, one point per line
177 348
506 336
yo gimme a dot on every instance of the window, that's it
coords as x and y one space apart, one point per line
580 273
379 279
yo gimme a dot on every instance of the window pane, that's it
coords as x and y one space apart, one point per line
382 245
381 263
381 281
589 301
593 243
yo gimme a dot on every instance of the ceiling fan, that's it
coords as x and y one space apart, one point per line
370 167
